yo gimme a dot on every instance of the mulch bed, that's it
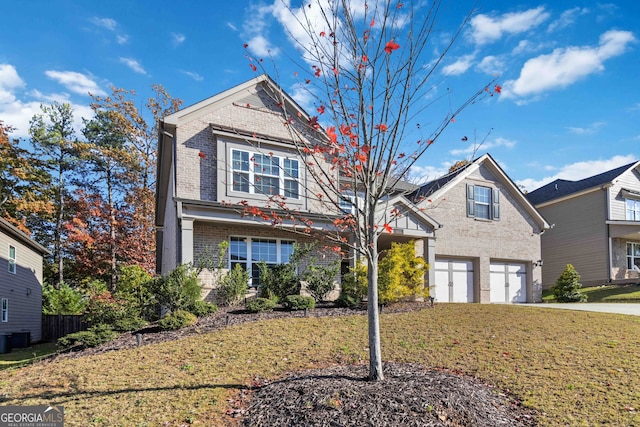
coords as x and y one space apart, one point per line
409 395
341 395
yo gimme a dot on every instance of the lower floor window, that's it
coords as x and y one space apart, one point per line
633 256
249 251
5 310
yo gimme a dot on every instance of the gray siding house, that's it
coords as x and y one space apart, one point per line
20 282
595 226
478 233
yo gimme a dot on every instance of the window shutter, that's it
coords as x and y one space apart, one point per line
470 201
495 198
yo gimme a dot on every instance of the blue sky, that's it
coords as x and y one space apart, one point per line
569 108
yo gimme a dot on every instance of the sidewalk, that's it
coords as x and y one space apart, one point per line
632 309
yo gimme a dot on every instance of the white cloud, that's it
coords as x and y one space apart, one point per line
108 23
261 47
579 170
177 39
567 18
195 76
565 66
473 148
423 174
233 27
460 66
122 38
133 64
9 81
591 129
75 82
491 65
486 29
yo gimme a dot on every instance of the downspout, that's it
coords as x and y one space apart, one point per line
605 188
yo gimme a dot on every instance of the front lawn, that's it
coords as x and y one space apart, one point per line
605 293
22 356
576 368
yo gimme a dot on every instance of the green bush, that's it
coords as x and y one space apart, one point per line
567 288
179 290
354 287
233 286
136 286
298 302
177 320
64 300
258 305
95 336
127 324
202 308
320 279
278 280
119 314
401 273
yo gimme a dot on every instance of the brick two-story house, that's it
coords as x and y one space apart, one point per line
230 149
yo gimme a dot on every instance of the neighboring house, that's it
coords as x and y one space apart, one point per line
228 150
595 226
20 282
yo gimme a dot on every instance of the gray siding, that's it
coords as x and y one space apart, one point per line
578 236
23 289
629 180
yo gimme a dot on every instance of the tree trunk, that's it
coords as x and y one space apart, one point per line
58 231
375 353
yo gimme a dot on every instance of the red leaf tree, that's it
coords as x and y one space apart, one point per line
370 72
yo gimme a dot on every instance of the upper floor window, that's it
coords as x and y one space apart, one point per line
633 256
258 173
633 209
12 259
483 202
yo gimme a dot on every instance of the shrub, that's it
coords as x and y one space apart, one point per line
233 286
298 302
177 320
278 280
136 286
258 305
179 290
400 273
64 300
354 287
567 288
119 314
320 279
202 308
127 324
95 336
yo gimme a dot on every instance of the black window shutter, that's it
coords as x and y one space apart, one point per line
470 201
495 198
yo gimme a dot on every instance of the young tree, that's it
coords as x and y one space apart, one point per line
370 71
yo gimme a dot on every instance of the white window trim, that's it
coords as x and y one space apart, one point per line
282 176
632 257
12 262
5 310
632 214
249 262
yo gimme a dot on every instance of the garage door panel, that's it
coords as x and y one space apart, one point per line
508 282
454 280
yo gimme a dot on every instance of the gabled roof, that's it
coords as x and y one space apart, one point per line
437 188
562 187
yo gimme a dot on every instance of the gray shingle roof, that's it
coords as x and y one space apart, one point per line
562 187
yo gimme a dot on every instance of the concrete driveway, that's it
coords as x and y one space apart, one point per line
632 309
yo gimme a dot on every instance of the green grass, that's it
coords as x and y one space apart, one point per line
22 356
607 293
576 368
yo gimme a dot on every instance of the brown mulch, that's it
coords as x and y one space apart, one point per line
341 395
409 395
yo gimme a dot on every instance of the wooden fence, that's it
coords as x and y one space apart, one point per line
55 326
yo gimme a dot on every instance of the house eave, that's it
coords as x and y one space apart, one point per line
573 195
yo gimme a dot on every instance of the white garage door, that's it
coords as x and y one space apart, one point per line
454 280
508 282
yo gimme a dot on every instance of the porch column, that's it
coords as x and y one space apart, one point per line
426 248
187 240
